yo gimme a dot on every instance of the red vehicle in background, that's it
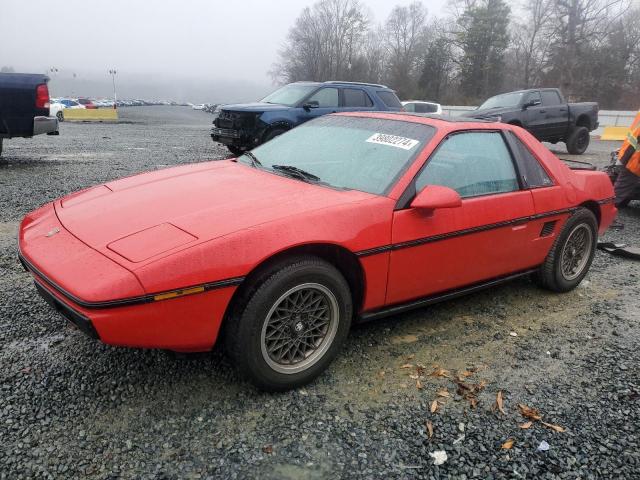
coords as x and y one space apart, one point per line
87 103
346 218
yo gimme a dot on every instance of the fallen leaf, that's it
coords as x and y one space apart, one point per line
466 373
430 428
556 428
529 412
443 392
411 357
525 425
499 402
418 384
381 373
508 444
473 401
440 372
268 449
439 457
434 406
406 365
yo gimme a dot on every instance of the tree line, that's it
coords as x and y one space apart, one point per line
588 48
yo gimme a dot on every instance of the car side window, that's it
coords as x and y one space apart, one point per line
326 97
549 97
356 98
410 107
425 108
532 173
534 97
471 163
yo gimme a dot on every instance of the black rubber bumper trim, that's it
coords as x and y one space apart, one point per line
229 282
83 323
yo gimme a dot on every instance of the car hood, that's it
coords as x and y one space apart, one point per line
254 107
489 112
139 219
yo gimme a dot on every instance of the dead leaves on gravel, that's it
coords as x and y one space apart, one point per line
534 415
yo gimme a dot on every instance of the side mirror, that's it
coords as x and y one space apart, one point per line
531 103
433 197
312 104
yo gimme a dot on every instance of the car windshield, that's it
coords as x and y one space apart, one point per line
289 95
366 154
499 101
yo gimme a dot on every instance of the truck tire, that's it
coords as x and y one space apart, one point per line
578 141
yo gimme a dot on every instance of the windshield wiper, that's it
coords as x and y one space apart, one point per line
254 160
296 172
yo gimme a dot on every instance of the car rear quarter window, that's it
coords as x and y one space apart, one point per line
549 97
531 172
472 164
389 99
326 97
356 98
426 108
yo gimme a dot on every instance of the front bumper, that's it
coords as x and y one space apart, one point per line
48 125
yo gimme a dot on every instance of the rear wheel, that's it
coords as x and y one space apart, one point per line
292 325
570 257
578 141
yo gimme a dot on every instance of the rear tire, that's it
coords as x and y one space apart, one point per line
292 324
571 255
578 141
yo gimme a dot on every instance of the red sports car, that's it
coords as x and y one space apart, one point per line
348 217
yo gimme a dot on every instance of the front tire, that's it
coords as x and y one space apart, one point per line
237 151
578 141
292 325
571 255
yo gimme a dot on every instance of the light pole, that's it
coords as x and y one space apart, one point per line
113 79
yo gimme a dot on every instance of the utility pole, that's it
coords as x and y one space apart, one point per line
113 79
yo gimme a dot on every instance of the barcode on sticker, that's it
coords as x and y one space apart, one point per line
393 141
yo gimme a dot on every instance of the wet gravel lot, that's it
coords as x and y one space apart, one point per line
74 408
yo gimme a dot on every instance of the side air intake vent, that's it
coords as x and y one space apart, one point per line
548 228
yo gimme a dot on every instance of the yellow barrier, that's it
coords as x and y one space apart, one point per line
90 115
614 133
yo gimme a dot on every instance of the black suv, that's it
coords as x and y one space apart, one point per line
244 126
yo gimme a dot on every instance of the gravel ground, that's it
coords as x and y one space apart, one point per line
74 408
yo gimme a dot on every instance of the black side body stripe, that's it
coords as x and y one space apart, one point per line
229 282
460 233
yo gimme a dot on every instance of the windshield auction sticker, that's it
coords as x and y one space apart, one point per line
393 141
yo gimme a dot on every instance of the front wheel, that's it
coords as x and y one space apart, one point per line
578 141
292 326
571 255
237 151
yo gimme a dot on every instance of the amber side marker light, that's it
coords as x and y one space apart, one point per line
178 293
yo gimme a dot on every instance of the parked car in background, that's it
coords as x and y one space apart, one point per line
545 113
24 106
348 217
419 106
244 126
57 107
86 103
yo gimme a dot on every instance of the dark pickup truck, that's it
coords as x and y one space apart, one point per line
24 106
545 113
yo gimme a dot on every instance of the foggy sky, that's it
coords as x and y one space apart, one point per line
212 45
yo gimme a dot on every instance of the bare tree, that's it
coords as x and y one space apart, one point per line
404 34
